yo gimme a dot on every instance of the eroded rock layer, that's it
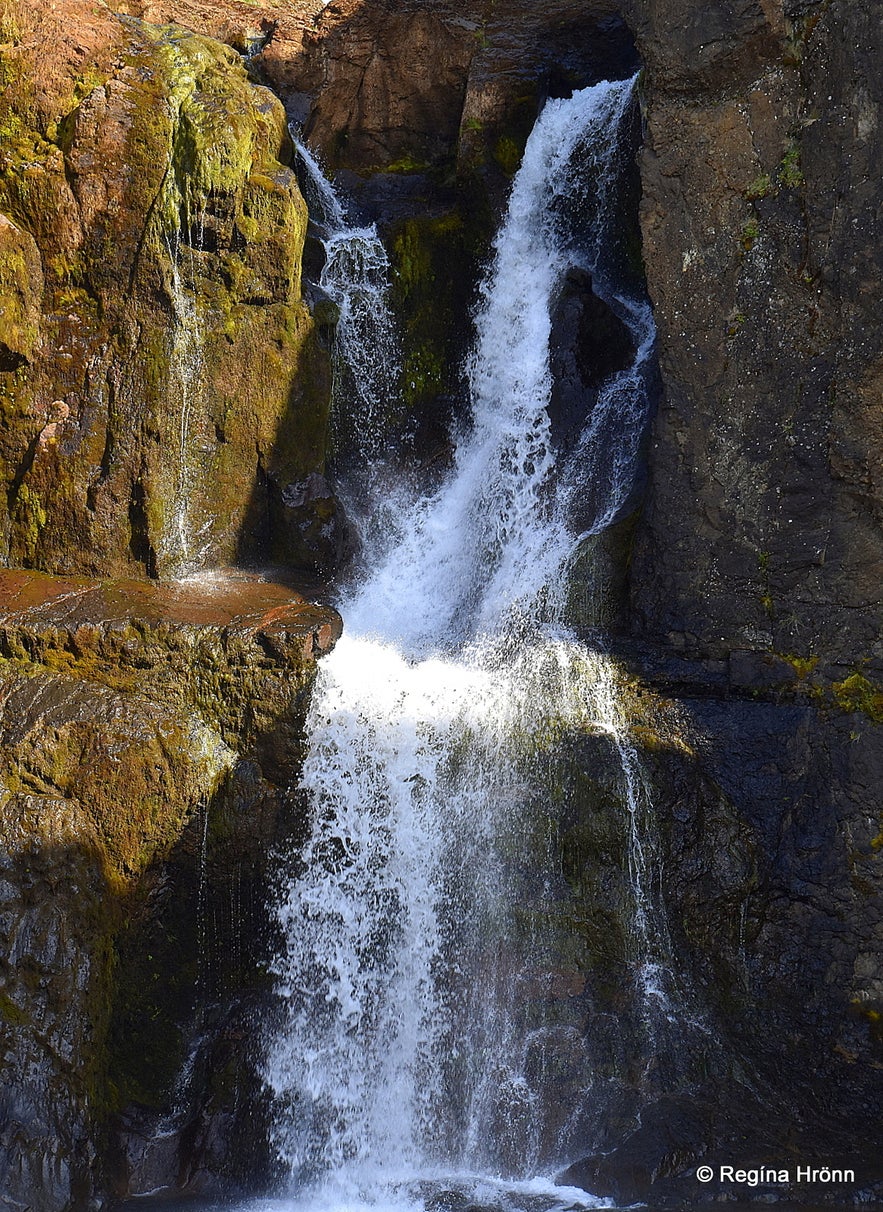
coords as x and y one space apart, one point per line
147 735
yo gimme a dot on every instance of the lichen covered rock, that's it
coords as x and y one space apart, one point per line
160 365
147 737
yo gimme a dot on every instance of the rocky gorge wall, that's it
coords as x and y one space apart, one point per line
148 735
147 182
164 398
164 383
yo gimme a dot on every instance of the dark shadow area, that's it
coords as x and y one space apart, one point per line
193 1003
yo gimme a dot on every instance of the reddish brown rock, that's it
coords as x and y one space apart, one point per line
150 254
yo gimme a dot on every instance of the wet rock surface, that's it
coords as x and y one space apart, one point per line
590 344
147 736
160 371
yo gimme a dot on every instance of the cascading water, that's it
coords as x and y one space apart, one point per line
417 933
355 277
182 543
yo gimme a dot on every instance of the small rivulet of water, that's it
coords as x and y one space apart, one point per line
412 1067
179 547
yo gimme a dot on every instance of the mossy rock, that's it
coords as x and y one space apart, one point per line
152 189
21 290
436 263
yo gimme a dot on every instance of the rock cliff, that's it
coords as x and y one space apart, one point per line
163 393
150 243
148 736
162 381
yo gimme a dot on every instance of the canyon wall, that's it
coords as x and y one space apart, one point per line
163 383
164 397
150 263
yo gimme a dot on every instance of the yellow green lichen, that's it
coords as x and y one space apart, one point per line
30 518
857 693
11 1013
10 34
802 665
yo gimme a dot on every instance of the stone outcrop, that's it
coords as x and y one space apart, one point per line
147 737
163 393
761 180
159 372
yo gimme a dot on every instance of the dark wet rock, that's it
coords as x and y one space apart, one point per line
760 186
147 736
308 524
589 344
769 1049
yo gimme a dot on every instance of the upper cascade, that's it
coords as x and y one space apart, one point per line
496 536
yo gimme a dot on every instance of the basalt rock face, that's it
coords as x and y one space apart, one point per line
159 370
148 736
755 574
768 1046
761 175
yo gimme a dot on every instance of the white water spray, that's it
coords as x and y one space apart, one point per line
355 277
415 936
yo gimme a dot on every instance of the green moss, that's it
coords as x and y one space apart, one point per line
434 261
799 32
760 187
30 517
857 693
507 154
404 165
789 172
11 1013
86 83
749 234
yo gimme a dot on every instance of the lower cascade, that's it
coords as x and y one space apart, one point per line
419 1048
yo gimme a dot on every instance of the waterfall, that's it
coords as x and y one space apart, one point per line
183 544
418 920
355 277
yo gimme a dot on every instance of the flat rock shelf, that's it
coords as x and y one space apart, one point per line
231 602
